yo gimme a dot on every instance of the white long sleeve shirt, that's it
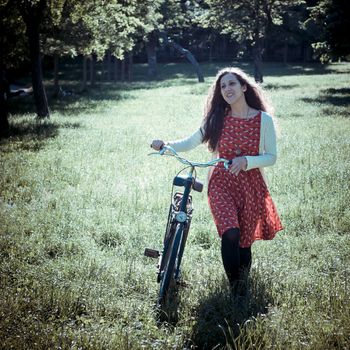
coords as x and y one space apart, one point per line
267 146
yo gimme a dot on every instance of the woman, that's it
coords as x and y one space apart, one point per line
237 125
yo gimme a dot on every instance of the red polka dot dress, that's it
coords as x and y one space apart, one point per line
242 201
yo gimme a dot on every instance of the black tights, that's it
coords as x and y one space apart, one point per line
236 260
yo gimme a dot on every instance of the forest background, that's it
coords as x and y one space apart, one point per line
41 32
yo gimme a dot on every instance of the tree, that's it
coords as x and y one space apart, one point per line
163 22
4 124
59 39
102 28
13 50
123 21
151 19
67 27
328 23
247 21
185 53
33 15
290 33
89 28
179 18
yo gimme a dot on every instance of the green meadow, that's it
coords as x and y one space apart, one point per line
80 199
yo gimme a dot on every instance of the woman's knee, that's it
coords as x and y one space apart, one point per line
231 236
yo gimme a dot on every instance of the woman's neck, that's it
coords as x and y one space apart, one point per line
240 110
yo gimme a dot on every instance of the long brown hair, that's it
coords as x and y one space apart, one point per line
216 107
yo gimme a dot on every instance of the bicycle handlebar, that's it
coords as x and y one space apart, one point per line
169 151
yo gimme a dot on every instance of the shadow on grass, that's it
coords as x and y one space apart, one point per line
169 75
336 97
280 69
222 316
167 313
72 70
93 98
279 86
171 71
31 135
77 102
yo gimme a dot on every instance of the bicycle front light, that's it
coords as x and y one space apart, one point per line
181 216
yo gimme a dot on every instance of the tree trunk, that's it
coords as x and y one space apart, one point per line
109 66
4 90
187 54
84 82
130 66
224 47
122 70
257 52
4 123
32 16
285 52
152 56
37 74
116 69
192 60
92 70
210 52
307 53
56 79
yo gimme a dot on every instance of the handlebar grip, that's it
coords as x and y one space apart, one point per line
159 148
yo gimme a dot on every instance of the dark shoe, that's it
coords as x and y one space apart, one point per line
239 288
242 288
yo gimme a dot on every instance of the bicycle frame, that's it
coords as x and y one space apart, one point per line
179 219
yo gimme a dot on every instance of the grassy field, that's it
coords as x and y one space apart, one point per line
80 200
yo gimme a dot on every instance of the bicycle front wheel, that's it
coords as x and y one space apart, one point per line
169 265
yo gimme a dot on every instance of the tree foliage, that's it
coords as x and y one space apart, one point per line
93 27
14 45
328 22
247 21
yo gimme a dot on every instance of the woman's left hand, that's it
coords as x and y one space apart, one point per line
238 164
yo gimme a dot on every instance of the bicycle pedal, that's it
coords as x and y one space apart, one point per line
152 253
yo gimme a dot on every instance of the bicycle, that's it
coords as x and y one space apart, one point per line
178 223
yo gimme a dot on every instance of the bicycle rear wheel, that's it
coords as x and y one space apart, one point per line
168 277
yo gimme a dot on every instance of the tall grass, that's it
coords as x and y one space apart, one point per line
80 200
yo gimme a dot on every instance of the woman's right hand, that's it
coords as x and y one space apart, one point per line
157 144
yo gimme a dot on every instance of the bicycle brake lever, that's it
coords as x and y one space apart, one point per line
159 153
153 154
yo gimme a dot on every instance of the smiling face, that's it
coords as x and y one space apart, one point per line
231 88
